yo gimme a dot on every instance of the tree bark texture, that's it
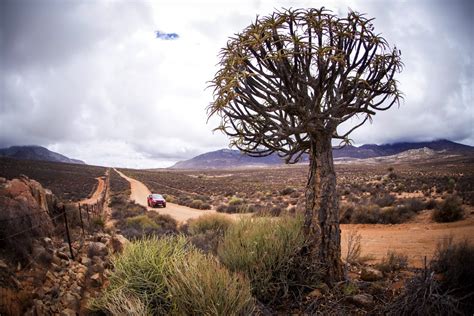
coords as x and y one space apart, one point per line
322 209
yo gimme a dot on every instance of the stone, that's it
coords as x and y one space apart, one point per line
370 274
68 312
362 300
62 255
96 280
85 261
118 243
97 249
50 276
3 265
70 301
315 294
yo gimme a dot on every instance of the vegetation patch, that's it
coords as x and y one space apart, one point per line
168 276
268 252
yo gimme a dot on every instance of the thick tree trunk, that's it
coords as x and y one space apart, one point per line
322 209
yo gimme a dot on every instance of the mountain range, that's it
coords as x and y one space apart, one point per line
227 158
36 153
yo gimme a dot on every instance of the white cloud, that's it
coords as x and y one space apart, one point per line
92 81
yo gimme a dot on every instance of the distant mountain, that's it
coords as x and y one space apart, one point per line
226 158
36 153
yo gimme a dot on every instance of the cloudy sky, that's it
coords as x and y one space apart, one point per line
122 83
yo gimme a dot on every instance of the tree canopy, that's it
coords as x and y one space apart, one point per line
296 75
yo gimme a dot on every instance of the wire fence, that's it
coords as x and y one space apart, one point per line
86 216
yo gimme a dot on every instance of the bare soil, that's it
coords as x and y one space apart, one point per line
415 240
97 193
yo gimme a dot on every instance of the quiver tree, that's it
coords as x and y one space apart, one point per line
285 85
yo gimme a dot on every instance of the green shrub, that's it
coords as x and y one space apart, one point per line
148 224
168 276
199 285
449 210
209 222
235 201
141 222
268 252
207 231
142 270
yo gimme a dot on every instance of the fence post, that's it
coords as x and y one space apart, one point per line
88 216
80 216
67 232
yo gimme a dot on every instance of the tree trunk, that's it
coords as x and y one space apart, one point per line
322 209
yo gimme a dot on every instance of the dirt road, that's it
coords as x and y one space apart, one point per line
97 193
412 239
139 193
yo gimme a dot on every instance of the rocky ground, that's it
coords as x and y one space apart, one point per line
55 284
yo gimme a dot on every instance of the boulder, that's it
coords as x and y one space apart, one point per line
97 249
362 300
370 274
96 280
117 243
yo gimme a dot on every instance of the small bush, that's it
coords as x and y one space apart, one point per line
373 214
423 296
455 262
235 201
414 205
199 285
393 262
450 210
148 224
268 252
384 200
168 276
209 222
142 270
207 231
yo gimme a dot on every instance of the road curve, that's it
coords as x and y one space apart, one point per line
97 193
139 193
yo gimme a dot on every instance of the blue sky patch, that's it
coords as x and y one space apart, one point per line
166 36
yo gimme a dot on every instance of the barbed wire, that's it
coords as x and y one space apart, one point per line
30 228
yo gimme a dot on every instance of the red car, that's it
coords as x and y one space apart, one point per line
155 200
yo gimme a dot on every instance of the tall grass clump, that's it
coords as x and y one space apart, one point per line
169 276
209 222
268 252
142 270
200 285
207 231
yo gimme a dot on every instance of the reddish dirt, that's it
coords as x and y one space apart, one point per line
97 193
416 240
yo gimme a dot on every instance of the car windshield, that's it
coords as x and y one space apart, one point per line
156 196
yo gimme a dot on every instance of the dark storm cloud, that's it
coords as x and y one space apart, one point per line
436 41
95 80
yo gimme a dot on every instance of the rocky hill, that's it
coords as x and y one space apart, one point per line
226 158
36 153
